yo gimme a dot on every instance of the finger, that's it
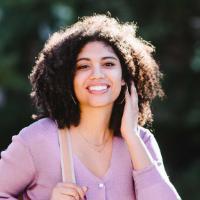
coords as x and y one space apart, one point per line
134 95
127 94
133 88
69 192
127 98
81 190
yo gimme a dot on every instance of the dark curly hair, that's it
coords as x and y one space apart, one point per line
53 74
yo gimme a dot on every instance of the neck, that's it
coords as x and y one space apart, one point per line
94 123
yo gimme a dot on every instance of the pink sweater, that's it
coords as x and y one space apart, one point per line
31 164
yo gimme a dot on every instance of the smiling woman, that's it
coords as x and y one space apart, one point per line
96 80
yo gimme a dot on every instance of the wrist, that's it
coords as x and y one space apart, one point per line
131 134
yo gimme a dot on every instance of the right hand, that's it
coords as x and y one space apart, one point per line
68 191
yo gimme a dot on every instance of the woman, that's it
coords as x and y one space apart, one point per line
97 79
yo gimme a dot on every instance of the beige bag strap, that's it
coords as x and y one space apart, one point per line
67 166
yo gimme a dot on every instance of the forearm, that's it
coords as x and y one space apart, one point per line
150 178
140 155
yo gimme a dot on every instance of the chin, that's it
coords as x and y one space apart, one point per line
100 103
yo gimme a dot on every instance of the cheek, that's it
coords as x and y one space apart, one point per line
76 84
79 84
117 76
118 81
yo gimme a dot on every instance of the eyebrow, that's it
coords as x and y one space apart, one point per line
103 58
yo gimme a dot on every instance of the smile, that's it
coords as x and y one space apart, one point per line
98 89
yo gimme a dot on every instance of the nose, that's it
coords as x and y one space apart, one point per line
97 73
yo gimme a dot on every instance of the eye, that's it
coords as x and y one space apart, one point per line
81 67
109 64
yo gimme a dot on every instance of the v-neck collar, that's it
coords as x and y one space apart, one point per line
109 170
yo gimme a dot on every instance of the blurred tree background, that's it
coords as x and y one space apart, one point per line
172 26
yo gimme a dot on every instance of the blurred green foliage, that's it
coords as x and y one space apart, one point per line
173 26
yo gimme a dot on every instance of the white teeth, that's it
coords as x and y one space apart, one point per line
98 88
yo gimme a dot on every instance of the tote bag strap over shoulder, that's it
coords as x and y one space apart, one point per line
67 166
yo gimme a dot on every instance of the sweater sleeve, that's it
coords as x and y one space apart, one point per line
17 170
152 183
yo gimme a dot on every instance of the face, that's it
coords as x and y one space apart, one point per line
98 76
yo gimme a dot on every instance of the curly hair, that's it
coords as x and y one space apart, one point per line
52 76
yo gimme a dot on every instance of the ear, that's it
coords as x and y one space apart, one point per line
123 82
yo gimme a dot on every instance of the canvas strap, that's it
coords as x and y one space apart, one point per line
67 166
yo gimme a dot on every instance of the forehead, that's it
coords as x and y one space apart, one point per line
96 48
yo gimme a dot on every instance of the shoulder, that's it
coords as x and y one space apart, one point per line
38 130
146 136
150 142
144 133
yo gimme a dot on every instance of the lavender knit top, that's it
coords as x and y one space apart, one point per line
31 166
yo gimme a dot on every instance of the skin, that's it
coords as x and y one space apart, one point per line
97 62
140 156
93 65
68 191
